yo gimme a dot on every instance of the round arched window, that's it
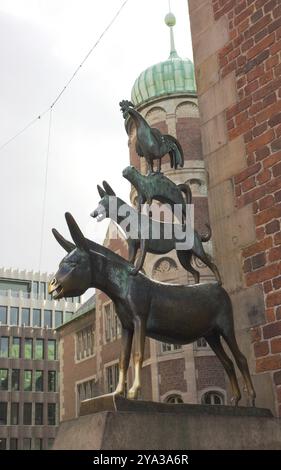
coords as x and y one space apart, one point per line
174 399
212 398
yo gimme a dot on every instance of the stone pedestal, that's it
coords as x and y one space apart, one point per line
115 423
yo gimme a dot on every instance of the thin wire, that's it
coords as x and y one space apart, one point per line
45 190
89 53
68 82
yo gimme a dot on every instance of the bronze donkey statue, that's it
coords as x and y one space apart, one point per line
170 313
155 246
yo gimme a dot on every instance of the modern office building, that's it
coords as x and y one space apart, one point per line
29 390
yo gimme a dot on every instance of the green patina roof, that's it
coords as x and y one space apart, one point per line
173 76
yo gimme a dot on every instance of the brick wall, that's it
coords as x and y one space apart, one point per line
171 375
71 370
239 84
209 373
189 136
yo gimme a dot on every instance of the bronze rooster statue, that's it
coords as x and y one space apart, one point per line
151 144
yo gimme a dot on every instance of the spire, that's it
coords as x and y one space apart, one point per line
170 21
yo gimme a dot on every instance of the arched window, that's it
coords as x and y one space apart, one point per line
174 399
212 398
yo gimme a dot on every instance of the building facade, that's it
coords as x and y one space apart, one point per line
29 381
165 94
237 64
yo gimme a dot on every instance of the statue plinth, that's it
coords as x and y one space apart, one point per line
112 422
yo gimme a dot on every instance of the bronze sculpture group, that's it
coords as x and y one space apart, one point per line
178 314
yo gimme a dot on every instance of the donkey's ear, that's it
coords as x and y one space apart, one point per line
101 191
77 236
108 189
68 246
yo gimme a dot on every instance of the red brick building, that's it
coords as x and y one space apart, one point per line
237 56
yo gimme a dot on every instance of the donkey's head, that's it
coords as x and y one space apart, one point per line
74 275
103 209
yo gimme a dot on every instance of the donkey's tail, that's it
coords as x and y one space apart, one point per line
185 188
207 237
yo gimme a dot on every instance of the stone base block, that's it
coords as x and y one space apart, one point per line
115 423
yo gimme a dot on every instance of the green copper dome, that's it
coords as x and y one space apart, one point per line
173 76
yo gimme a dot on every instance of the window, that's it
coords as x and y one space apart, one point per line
28 346
15 379
38 443
112 375
212 398
167 347
85 343
112 323
39 348
4 346
48 318
68 315
27 413
27 443
201 343
14 316
52 381
27 381
3 443
37 317
51 414
15 347
13 443
14 413
3 379
35 289
3 413
175 399
58 318
43 290
25 316
51 349
39 381
3 315
85 390
38 413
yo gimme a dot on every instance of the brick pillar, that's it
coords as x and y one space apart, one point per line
237 62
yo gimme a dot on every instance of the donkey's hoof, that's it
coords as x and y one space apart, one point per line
235 401
133 394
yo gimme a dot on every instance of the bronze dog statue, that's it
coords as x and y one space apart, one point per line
150 245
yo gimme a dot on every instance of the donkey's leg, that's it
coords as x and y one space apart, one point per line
139 340
126 346
215 343
241 362
184 259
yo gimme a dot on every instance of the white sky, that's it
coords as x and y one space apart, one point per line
41 44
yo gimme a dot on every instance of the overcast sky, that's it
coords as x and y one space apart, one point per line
41 44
